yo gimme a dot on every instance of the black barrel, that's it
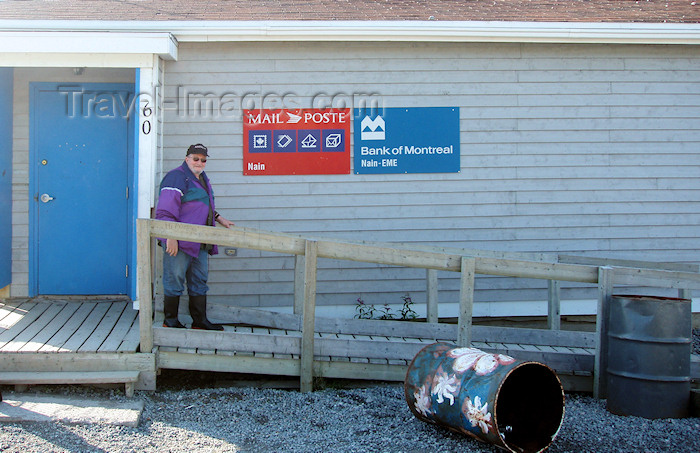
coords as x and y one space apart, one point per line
649 356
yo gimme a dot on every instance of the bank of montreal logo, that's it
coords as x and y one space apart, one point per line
373 129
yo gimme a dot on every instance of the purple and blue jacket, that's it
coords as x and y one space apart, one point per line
183 198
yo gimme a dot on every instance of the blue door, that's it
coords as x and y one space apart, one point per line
79 177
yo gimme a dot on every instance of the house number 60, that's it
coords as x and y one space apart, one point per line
146 125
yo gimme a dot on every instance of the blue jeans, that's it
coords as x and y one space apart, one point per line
182 267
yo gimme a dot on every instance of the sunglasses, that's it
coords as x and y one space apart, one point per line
197 159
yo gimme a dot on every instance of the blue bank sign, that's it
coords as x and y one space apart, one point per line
407 140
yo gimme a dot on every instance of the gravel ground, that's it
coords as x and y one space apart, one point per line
204 412
193 412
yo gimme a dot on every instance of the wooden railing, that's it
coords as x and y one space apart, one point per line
468 263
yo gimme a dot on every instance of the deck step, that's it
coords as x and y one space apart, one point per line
24 378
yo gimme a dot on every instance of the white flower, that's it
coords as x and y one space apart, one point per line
465 358
485 364
504 359
482 362
422 397
478 414
445 386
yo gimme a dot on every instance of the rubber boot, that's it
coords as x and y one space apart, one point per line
198 311
170 307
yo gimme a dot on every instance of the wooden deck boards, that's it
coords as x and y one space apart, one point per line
26 336
45 335
73 341
355 349
271 343
62 326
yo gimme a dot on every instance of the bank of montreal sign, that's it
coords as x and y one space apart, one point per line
407 140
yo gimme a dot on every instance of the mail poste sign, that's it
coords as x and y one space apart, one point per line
407 140
296 142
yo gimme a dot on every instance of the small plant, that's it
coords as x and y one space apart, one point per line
363 310
407 311
386 312
369 311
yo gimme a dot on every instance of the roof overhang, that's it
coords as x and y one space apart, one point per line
135 43
437 31
407 31
37 47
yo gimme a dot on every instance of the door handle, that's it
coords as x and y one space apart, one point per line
46 198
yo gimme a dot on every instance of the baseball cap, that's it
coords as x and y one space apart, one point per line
197 149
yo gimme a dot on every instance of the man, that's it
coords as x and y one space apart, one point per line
186 196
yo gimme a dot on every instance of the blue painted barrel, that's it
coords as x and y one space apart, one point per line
649 346
516 405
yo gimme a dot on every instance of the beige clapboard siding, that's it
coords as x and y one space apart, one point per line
579 149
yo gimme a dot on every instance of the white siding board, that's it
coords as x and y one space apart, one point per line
533 112
666 88
615 124
644 150
490 222
354 79
612 99
601 172
588 149
609 76
470 186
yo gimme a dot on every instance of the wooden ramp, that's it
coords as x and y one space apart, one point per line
322 351
271 343
67 341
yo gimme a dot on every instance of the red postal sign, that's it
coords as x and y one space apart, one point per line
296 142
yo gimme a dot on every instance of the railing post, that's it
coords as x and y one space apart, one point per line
554 305
466 302
143 269
600 371
298 284
309 314
432 295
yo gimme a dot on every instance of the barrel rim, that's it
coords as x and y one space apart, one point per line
626 336
649 377
651 298
520 364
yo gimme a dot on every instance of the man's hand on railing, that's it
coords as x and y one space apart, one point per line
224 222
